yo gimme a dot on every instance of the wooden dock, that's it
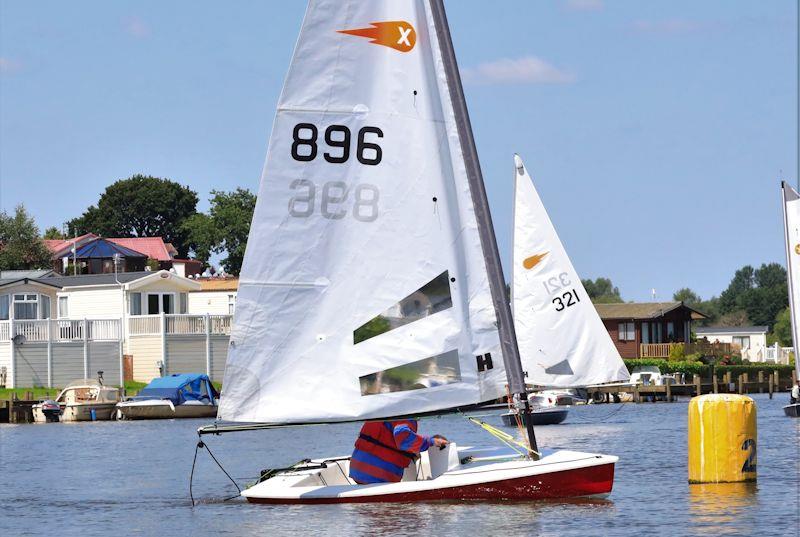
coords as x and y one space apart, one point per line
742 384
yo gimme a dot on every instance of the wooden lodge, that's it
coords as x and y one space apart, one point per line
648 329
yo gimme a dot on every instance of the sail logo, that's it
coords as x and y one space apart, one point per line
399 35
533 260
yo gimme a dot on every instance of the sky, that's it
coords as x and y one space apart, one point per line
656 132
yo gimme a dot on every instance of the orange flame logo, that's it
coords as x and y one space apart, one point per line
797 249
399 35
533 260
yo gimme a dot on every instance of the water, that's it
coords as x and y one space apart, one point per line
131 478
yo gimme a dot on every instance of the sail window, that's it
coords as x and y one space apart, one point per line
426 373
431 298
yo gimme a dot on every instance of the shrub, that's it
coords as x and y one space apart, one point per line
677 352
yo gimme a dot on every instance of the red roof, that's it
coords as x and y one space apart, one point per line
152 247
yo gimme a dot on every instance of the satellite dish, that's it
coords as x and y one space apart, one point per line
19 339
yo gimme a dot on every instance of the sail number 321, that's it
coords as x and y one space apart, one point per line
334 194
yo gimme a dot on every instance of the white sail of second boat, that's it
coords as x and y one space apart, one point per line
562 341
364 290
791 220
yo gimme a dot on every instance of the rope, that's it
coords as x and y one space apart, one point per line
504 437
201 444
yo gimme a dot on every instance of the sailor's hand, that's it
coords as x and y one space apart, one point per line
440 441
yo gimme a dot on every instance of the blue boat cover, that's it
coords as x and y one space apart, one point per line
179 388
101 248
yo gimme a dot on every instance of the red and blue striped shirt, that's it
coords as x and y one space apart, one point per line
384 449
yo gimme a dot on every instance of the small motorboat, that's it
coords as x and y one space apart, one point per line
183 395
793 410
451 473
545 410
46 412
87 400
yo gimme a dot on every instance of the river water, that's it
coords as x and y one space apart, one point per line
131 478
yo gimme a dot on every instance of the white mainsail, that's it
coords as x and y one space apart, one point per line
791 220
364 291
562 341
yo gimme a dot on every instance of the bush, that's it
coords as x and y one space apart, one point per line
699 368
677 352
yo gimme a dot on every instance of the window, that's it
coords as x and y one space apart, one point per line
431 298
136 304
627 332
160 303
4 308
26 306
645 332
44 300
231 304
670 331
182 299
63 306
742 341
426 373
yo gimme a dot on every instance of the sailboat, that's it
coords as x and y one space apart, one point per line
791 227
562 341
371 288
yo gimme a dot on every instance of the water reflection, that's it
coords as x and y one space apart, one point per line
716 506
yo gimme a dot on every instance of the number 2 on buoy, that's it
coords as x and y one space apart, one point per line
749 463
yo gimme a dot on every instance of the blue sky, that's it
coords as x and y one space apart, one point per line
656 131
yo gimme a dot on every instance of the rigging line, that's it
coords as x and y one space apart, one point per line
201 444
504 437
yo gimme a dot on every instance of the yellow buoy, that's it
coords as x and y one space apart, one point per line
722 439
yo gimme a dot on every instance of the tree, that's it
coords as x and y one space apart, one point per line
141 206
783 328
687 296
52 233
734 318
20 245
602 291
224 229
760 293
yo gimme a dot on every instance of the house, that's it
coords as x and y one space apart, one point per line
751 341
55 328
648 329
95 255
217 296
26 295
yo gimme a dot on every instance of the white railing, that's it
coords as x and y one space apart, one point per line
144 325
179 324
776 354
61 330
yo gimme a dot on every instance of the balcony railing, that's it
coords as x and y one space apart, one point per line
663 350
179 325
61 330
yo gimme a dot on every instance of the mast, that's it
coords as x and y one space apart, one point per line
787 194
483 217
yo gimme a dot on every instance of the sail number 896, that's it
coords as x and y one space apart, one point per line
337 137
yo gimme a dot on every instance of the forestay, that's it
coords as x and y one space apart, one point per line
363 292
562 341
791 218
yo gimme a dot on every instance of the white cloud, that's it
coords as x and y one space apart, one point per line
7 65
584 5
668 26
525 70
136 27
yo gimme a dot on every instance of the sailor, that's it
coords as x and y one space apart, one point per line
795 397
384 449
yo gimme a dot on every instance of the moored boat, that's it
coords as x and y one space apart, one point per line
185 395
80 400
46 412
539 416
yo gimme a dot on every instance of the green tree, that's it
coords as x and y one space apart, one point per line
20 244
783 328
760 293
52 233
224 229
141 206
602 291
687 296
